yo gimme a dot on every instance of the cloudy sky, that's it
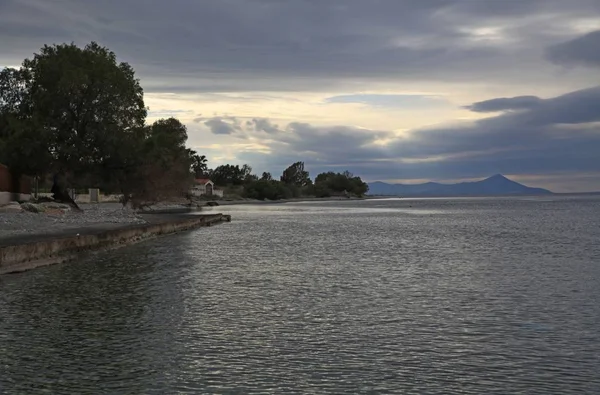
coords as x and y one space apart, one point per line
392 90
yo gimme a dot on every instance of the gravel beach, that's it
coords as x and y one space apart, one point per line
12 224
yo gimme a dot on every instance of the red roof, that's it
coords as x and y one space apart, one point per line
202 181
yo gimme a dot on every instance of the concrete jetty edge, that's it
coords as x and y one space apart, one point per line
51 249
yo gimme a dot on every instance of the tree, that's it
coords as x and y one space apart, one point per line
13 90
296 175
164 171
247 175
232 175
329 183
267 189
22 144
86 104
227 175
78 113
165 142
199 166
266 176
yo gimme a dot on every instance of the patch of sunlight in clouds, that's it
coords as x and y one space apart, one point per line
584 25
488 34
301 107
221 154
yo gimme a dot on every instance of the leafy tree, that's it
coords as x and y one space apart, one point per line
232 175
267 189
199 166
22 145
13 90
296 175
78 113
330 183
227 175
247 174
164 171
266 176
166 141
86 103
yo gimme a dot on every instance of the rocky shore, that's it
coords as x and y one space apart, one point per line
30 218
34 218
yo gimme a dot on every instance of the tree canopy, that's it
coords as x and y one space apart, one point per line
330 183
80 113
296 175
232 175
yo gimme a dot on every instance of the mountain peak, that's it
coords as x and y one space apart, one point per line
496 185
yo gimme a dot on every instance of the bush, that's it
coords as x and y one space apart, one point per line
267 189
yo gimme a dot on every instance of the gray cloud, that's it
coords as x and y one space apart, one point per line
313 45
560 134
263 125
235 45
218 125
505 104
584 50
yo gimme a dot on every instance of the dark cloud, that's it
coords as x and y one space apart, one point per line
219 125
572 108
584 50
241 46
505 104
230 45
263 125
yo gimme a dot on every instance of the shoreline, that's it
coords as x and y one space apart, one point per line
20 253
292 200
181 208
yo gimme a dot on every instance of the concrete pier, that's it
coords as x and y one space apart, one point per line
25 252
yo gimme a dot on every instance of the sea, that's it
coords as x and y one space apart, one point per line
383 296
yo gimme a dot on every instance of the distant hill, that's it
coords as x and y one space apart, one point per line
497 185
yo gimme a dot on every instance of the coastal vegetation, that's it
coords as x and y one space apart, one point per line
295 182
76 118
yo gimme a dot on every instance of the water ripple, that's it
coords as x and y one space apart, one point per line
465 297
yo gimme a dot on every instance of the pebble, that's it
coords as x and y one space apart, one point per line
15 223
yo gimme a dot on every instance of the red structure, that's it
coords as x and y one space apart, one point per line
6 182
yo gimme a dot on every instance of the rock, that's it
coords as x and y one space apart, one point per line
12 207
56 206
33 208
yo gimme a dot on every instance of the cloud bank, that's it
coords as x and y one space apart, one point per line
431 89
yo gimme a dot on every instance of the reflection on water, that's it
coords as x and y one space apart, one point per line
470 296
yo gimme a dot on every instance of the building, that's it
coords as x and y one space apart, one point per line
205 187
7 192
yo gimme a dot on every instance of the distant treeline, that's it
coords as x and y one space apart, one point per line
294 182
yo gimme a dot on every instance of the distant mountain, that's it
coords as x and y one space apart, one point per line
497 185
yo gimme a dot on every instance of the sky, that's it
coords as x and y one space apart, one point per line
392 90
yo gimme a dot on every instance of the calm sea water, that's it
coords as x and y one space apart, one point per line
432 296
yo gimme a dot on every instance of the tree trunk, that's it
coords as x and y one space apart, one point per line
60 193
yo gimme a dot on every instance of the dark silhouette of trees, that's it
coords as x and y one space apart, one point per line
296 175
79 114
